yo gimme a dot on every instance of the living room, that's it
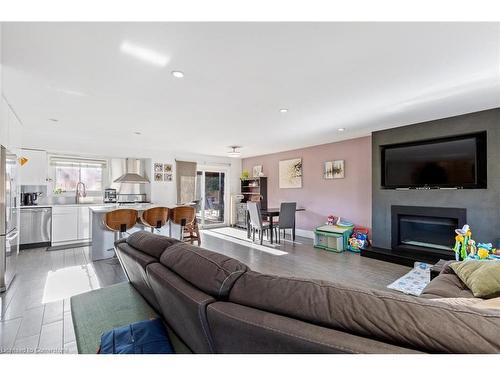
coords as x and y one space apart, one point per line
249 187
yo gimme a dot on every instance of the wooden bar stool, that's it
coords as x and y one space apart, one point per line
120 221
185 216
155 218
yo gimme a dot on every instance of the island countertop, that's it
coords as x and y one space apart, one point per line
103 239
112 207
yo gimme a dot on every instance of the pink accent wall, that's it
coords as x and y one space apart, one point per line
350 197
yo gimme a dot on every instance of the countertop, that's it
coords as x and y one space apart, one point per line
107 208
70 205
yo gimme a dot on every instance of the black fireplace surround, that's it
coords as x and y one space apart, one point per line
427 230
425 234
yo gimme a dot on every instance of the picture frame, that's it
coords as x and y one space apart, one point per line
257 171
158 177
334 169
290 174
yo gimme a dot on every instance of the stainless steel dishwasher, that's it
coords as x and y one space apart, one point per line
36 227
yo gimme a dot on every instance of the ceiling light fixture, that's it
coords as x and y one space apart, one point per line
137 133
178 74
53 119
234 153
340 129
144 54
283 110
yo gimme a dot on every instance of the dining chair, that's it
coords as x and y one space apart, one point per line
256 223
286 218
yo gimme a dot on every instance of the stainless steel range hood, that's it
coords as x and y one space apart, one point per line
132 176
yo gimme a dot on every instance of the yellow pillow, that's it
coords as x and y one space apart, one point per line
482 277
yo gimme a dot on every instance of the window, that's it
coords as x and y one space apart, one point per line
69 171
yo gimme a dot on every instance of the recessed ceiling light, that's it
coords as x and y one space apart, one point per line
144 54
178 74
53 119
340 129
137 133
234 153
283 110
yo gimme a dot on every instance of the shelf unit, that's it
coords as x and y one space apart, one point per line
252 189
255 189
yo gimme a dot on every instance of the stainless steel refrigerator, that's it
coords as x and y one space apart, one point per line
9 213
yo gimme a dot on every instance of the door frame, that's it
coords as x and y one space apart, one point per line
215 168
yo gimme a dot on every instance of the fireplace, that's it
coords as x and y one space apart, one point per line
429 230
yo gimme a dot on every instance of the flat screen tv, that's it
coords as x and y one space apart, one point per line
453 162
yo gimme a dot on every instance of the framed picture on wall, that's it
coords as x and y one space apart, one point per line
290 174
257 171
158 177
334 169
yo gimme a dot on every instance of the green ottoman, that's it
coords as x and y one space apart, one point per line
103 309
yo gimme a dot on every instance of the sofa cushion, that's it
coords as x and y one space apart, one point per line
481 277
182 306
242 329
446 285
134 262
211 272
149 243
393 318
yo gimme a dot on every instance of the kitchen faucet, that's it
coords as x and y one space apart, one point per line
80 193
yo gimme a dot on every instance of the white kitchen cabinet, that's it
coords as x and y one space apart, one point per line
64 224
35 171
83 223
70 224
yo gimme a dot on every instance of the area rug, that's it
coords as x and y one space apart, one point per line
414 281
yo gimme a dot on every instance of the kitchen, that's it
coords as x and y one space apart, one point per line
60 192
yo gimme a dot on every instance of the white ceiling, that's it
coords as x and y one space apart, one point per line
358 76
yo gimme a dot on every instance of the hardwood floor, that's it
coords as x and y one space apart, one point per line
305 261
35 314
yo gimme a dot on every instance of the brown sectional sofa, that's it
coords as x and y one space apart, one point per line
216 304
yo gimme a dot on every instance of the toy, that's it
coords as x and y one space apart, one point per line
359 239
330 220
471 248
483 253
344 223
465 246
484 250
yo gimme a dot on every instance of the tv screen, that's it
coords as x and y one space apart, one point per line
455 162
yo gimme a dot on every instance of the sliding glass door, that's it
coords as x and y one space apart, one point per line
211 197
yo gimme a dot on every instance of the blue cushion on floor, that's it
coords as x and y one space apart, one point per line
146 337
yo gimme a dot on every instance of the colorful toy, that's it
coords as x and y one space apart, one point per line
462 238
330 220
344 223
359 239
484 250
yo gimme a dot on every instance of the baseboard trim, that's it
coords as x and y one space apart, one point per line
304 233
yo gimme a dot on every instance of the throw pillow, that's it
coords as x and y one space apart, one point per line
481 277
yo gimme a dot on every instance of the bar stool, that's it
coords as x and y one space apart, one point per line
185 216
120 221
155 218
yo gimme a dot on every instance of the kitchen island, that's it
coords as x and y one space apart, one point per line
103 239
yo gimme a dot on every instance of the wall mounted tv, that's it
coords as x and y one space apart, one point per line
452 162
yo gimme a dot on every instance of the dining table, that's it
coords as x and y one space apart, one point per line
269 214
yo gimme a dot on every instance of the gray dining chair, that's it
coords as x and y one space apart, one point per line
286 218
256 222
